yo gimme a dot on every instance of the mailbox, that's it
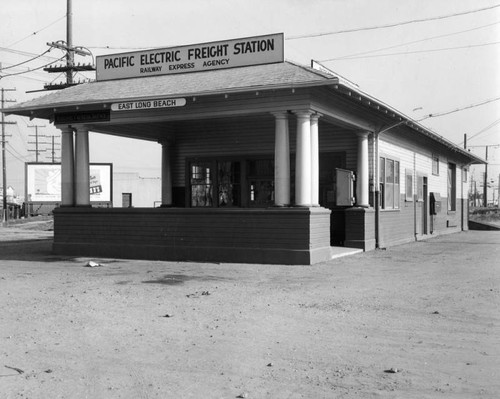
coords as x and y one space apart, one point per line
435 203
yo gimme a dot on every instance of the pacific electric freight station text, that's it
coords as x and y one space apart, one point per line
212 55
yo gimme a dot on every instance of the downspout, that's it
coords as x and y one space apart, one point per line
376 186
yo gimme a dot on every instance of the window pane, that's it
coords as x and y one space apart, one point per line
389 171
389 195
435 165
201 185
228 183
382 170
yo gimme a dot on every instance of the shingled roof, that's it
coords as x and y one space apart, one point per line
280 75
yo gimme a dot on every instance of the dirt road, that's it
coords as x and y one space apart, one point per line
428 311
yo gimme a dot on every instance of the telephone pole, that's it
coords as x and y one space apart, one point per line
5 214
485 180
71 50
53 152
36 142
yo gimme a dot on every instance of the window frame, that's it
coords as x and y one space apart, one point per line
435 164
389 183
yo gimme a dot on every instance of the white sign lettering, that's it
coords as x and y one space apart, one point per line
194 58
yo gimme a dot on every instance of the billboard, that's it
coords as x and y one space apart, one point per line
255 50
43 182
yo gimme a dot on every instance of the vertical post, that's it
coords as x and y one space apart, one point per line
5 215
281 160
485 188
166 174
70 55
303 159
4 166
362 178
314 160
67 167
82 172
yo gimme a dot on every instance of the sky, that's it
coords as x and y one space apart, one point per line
421 57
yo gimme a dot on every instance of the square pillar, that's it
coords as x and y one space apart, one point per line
82 169
362 176
166 174
67 166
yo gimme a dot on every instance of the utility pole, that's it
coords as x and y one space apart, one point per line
485 180
485 188
53 152
5 214
36 142
71 50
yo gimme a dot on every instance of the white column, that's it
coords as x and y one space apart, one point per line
303 159
281 160
82 172
362 178
67 167
314 160
166 174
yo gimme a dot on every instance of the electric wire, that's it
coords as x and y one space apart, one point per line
494 123
392 25
31 70
413 42
24 53
412 52
459 109
38 31
24 62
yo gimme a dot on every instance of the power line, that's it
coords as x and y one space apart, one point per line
413 42
24 53
412 52
459 109
484 129
31 70
38 31
24 62
391 25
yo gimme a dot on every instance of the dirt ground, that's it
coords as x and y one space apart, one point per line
428 311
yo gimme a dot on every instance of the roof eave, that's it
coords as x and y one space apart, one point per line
404 120
30 111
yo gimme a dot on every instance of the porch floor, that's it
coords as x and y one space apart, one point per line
339 252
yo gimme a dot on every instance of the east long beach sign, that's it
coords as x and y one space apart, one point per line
256 50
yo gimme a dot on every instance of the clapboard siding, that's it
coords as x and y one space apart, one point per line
405 224
289 235
242 137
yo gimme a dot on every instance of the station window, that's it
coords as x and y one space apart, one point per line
435 164
389 183
226 183
261 182
201 184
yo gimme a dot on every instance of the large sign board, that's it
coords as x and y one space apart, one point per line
43 182
255 50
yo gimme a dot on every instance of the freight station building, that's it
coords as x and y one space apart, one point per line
263 160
